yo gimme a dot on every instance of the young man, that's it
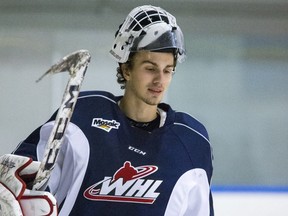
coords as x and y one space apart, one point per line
130 154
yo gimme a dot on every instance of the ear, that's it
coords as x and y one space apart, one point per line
125 71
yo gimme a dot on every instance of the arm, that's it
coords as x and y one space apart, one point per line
190 195
194 137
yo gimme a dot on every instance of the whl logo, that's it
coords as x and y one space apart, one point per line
127 185
104 124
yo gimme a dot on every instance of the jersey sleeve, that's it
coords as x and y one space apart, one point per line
71 164
194 137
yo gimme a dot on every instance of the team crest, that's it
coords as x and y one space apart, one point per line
128 184
104 124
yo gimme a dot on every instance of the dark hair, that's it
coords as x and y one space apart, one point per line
120 77
129 64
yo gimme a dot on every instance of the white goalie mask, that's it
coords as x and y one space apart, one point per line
148 28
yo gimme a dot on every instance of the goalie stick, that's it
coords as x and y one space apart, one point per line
76 64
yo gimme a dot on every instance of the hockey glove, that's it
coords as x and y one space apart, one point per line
16 172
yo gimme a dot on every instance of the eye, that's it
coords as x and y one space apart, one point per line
150 68
169 71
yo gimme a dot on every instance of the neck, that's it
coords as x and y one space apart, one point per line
140 112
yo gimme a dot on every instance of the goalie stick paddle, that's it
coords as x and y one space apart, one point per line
76 64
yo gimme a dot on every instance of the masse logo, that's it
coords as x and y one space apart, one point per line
127 185
104 124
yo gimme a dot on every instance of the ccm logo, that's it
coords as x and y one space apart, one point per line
138 151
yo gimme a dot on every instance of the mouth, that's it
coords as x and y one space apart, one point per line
155 91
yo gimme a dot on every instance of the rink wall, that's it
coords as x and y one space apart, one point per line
250 201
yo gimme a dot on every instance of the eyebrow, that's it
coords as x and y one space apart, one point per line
154 63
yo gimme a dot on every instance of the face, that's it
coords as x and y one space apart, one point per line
149 77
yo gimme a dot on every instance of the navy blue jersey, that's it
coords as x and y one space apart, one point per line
108 167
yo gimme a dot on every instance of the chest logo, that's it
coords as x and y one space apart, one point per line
104 124
128 184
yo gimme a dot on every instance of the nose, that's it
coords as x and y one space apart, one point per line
162 76
159 77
